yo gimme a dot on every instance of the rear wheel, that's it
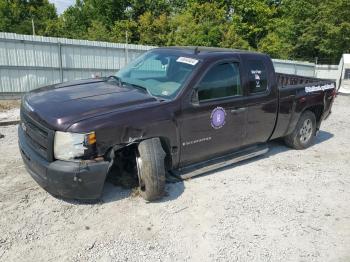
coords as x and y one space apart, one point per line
304 132
150 169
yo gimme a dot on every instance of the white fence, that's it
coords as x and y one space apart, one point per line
294 68
307 69
28 62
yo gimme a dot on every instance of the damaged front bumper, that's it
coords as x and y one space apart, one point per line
73 180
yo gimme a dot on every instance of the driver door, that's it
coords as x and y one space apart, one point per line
215 125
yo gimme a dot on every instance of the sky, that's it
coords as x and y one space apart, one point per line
62 5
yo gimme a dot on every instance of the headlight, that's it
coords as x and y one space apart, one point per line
68 146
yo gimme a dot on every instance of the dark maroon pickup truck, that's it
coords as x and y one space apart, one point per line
171 112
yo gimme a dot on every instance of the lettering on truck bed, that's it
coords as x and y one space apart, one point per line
309 89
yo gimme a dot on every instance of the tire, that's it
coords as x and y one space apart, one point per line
304 133
150 169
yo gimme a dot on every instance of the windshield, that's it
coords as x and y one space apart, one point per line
161 74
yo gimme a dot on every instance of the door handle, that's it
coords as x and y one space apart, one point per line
238 110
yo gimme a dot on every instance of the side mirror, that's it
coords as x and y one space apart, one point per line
194 97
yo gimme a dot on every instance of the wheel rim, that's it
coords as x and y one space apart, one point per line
306 131
139 165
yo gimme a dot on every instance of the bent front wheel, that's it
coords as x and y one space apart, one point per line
151 169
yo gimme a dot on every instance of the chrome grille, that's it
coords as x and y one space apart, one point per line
38 137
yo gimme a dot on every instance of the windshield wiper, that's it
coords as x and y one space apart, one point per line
115 78
142 88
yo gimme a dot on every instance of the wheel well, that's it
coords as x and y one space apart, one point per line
167 149
317 110
124 165
123 171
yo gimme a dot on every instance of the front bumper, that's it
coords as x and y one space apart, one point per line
73 180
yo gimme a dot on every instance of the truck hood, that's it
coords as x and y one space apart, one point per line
61 105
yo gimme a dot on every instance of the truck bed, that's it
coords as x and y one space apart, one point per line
288 80
299 92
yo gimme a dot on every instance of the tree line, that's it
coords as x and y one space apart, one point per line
286 29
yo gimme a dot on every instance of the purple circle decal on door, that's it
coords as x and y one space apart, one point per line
218 117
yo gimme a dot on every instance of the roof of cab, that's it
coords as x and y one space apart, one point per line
202 51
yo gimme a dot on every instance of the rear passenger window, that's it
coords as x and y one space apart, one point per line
257 77
222 80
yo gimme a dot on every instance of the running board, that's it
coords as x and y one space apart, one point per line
216 163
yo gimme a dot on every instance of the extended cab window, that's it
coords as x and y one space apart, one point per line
257 77
222 80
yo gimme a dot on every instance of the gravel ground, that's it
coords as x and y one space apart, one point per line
285 206
9 115
9 110
9 104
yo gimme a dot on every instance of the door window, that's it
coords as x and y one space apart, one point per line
257 77
223 80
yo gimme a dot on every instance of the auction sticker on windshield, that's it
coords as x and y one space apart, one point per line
187 60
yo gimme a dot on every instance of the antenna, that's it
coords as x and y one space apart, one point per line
196 51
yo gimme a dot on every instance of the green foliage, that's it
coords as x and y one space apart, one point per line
315 28
332 26
232 39
17 15
274 45
136 8
125 31
199 25
252 18
106 11
154 30
97 32
291 29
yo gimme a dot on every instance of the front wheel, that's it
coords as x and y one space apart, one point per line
151 169
304 132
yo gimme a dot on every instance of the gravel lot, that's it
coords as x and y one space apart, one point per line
285 206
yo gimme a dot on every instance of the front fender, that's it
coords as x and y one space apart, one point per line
117 130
